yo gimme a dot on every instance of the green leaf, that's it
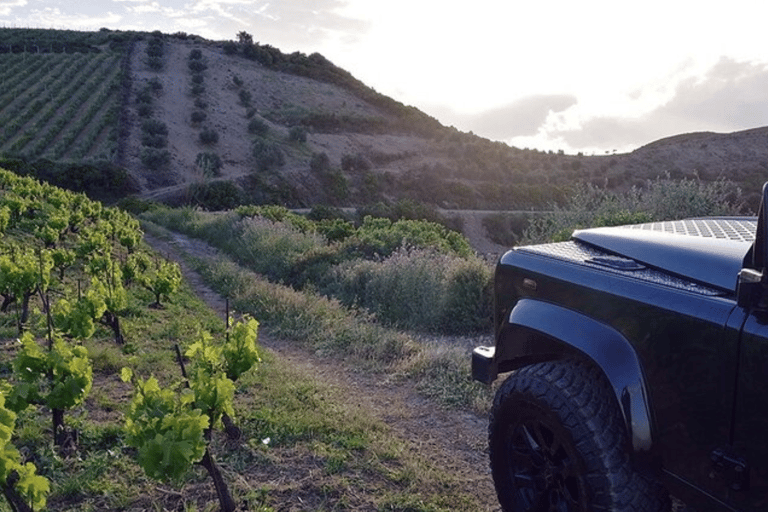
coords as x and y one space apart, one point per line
126 374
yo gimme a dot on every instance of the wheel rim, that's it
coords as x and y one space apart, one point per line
544 468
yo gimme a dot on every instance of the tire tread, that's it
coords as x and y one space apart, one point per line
582 399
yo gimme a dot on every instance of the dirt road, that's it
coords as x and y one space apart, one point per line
452 440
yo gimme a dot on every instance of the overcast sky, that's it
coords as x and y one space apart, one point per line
589 75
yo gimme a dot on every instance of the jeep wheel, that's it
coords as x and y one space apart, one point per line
557 444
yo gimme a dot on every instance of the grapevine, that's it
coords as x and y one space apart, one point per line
59 378
19 482
162 278
171 427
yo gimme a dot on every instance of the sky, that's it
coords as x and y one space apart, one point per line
591 76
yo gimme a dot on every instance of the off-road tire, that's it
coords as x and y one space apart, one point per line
557 443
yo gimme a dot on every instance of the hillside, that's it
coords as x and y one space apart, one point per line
287 129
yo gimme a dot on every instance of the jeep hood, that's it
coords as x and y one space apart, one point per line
708 251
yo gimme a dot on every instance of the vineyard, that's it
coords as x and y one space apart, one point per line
120 390
60 106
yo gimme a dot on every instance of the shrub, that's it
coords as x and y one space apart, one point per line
404 290
144 97
468 298
155 48
267 155
215 196
258 127
197 78
379 237
154 141
209 136
197 89
153 158
144 110
297 134
277 213
272 248
198 116
155 85
356 162
195 54
197 66
320 162
200 103
155 63
230 48
154 127
208 163
660 199
245 97
335 230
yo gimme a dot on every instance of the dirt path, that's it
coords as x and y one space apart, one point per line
454 441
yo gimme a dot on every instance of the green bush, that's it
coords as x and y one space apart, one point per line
378 237
215 196
335 230
272 248
468 298
418 289
277 213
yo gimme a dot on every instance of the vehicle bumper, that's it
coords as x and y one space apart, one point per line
484 368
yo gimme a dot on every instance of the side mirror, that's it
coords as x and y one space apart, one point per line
757 255
753 278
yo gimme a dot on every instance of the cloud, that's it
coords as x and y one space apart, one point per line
51 17
523 117
293 25
7 6
730 96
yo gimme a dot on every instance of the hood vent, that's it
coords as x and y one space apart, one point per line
616 262
707 251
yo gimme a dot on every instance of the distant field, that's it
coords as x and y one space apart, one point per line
60 106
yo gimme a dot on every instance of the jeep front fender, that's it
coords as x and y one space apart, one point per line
539 331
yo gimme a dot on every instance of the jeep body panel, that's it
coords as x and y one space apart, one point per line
713 256
665 334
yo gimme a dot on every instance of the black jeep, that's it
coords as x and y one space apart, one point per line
639 367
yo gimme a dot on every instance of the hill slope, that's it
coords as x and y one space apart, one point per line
290 129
